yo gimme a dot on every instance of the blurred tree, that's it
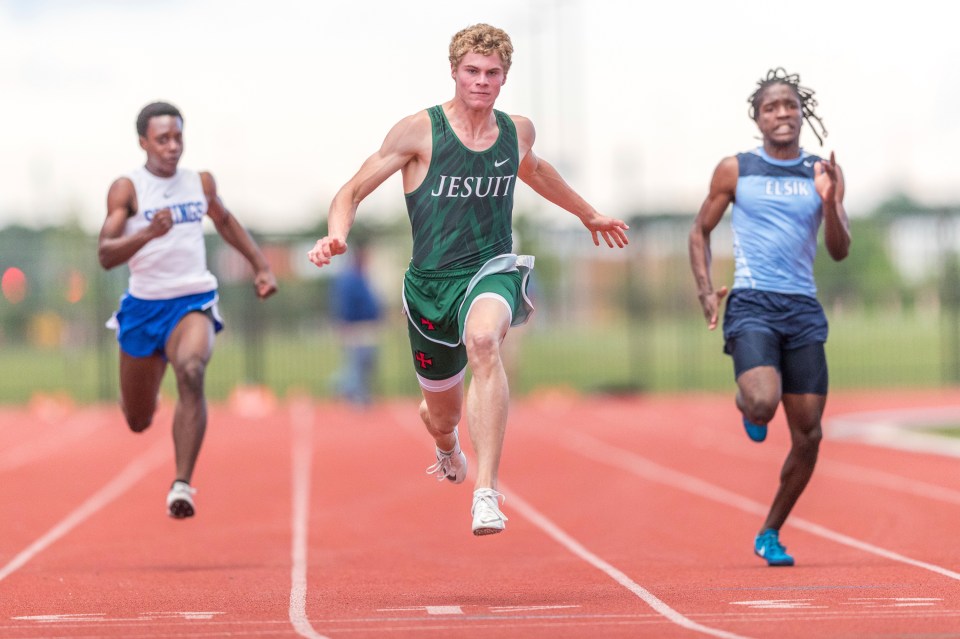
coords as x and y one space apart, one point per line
867 276
896 205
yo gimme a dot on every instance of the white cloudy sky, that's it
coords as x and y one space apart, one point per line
634 101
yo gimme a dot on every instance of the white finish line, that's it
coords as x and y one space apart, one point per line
430 610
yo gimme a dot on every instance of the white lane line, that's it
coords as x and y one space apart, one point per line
67 433
889 481
900 429
854 473
659 606
579 550
896 429
301 421
130 475
631 462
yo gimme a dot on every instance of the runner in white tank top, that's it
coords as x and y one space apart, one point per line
154 225
174 264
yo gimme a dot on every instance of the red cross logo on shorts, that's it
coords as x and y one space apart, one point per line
425 322
423 360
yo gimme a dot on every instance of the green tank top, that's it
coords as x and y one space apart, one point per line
462 213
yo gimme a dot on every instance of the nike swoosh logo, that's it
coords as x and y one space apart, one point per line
170 194
501 163
808 163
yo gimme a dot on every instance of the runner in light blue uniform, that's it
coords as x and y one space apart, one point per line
773 326
776 216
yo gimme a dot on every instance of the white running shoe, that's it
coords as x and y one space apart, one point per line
180 500
451 466
487 518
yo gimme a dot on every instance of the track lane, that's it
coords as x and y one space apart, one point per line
696 534
132 571
388 551
421 568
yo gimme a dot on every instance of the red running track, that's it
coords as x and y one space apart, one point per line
629 517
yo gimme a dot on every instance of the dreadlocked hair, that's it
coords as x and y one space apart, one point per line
807 101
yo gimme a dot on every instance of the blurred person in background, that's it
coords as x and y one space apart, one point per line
464 288
774 327
169 311
357 314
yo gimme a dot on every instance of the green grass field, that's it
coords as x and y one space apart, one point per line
667 355
946 432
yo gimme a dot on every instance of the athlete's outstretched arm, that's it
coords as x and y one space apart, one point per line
402 145
237 236
723 188
543 178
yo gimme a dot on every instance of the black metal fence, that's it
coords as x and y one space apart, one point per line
606 320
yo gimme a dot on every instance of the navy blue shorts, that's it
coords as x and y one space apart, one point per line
762 328
144 326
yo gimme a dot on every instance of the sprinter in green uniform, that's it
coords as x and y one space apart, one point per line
464 288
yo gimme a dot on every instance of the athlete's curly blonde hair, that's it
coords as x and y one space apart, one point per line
482 39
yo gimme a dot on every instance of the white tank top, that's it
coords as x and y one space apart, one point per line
174 264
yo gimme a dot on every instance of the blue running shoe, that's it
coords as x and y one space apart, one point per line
754 431
767 546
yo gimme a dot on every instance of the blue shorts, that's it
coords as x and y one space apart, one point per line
762 328
795 320
144 326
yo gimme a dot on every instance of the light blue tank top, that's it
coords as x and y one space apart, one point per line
776 218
